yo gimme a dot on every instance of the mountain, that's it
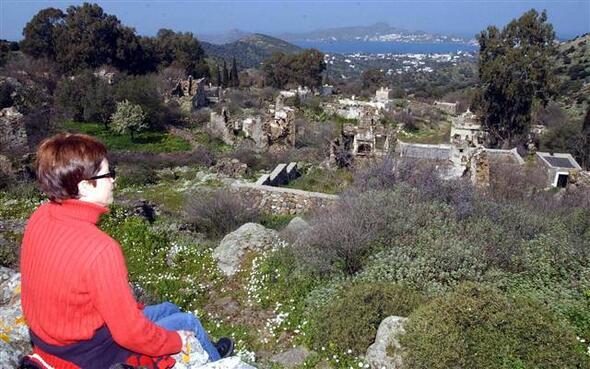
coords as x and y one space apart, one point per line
249 51
223 38
376 32
573 69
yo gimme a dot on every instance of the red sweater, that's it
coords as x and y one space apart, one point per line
74 281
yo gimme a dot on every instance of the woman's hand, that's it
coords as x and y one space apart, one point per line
184 337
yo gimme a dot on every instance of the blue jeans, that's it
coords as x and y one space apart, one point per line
167 315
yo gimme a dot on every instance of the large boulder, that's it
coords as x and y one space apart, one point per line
232 248
386 351
14 334
296 227
291 358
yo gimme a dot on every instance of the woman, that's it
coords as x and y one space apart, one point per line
75 291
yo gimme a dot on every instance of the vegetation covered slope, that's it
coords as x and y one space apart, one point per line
250 51
573 67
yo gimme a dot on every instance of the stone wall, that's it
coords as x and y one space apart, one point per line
283 201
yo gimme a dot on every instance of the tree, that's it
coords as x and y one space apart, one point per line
85 97
41 32
225 76
514 68
373 79
128 118
182 50
304 69
233 77
86 37
218 78
90 38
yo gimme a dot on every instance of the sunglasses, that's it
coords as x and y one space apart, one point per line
110 174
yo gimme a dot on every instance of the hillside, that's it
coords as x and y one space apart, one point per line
250 51
377 32
573 68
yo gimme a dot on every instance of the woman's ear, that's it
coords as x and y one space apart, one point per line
84 188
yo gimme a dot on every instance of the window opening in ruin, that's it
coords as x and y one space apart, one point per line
364 149
380 142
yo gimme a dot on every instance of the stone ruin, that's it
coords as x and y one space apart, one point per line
368 139
466 156
447 107
275 128
281 175
191 90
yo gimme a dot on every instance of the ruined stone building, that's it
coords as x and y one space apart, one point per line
383 95
193 90
465 155
558 167
272 129
447 107
368 139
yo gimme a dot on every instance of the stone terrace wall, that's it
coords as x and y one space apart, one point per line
284 201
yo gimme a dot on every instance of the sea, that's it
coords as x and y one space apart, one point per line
377 47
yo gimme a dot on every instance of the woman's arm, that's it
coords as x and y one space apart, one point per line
108 285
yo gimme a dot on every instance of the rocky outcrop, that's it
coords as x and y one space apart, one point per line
14 334
13 135
234 246
386 351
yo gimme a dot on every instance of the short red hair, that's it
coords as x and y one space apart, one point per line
66 159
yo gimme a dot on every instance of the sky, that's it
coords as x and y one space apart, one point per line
458 17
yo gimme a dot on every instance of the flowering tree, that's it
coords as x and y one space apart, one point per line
128 117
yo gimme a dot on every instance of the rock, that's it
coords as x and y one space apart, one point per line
294 229
291 358
13 135
198 358
249 237
387 336
14 333
145 209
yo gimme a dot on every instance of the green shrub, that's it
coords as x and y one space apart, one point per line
479 327
9 249
351 320
276 221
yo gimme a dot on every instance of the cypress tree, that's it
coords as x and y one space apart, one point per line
225 80
234 79
218 79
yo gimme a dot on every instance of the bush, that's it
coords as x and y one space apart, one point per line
479 327
137 174
9 250
218 212
351 320
346 233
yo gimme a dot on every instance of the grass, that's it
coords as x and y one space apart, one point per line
151 141
428 135
212 144
323 180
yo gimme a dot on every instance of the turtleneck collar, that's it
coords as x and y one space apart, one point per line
73 209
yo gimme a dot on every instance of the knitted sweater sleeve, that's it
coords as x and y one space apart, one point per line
108 284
